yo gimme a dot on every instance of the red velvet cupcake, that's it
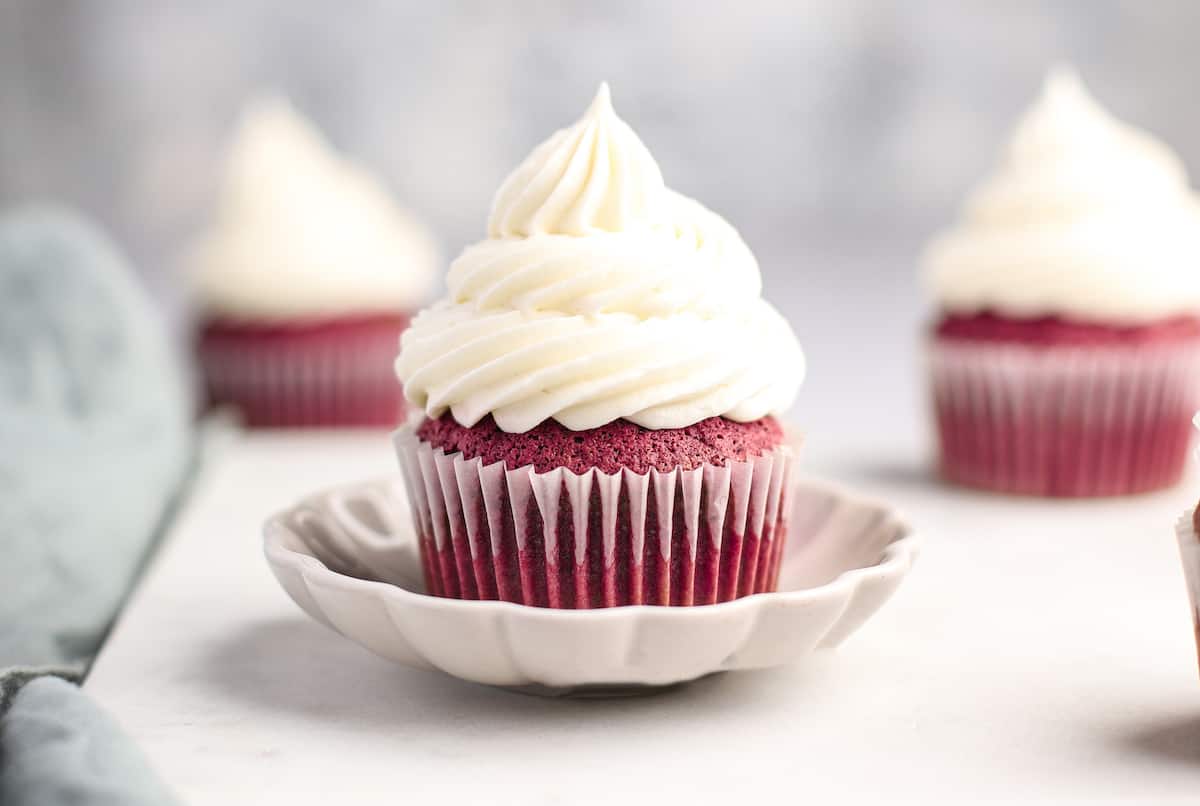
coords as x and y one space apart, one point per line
600 386
605 516
1058 408
1066 357
336 372
306 282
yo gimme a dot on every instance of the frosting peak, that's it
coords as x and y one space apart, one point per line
1064 107
300 231
1086 218
596 176
1066 116
600 295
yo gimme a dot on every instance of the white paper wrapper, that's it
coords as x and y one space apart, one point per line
1064 421
563 540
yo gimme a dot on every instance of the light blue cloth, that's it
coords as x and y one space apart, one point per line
95 440
59 749
94 424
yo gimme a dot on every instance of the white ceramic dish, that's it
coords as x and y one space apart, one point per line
1189 555
348 557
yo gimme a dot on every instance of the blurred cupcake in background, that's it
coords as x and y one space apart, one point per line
306 279
1066 357
600 387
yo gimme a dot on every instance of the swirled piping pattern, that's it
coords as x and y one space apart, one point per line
600 295
303 233
1087 218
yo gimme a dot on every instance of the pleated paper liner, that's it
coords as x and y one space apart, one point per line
1064 421
563 540
329 374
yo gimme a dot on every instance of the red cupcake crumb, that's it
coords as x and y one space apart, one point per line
1053 330
609 448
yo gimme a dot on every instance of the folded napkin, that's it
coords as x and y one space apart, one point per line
60 749
96 436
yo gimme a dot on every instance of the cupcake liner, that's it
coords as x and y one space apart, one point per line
1189 555
326 375
565 540
1071 421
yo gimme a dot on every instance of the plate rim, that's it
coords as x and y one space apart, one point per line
897 558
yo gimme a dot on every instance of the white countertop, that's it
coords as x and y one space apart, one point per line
1038 649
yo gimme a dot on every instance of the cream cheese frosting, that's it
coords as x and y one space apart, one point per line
1087 218
600 295
302 232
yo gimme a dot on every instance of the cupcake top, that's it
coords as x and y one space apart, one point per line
600 295
1087 218
301 232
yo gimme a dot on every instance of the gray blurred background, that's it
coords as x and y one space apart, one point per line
836 134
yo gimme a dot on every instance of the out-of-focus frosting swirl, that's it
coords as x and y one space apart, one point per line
600 295
302 232
1087 218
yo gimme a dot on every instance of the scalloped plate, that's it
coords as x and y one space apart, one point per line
348 557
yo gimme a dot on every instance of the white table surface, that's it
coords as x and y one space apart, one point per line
1038 650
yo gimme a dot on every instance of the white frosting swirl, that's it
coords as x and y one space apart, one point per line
1088 218
302 232
600 295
